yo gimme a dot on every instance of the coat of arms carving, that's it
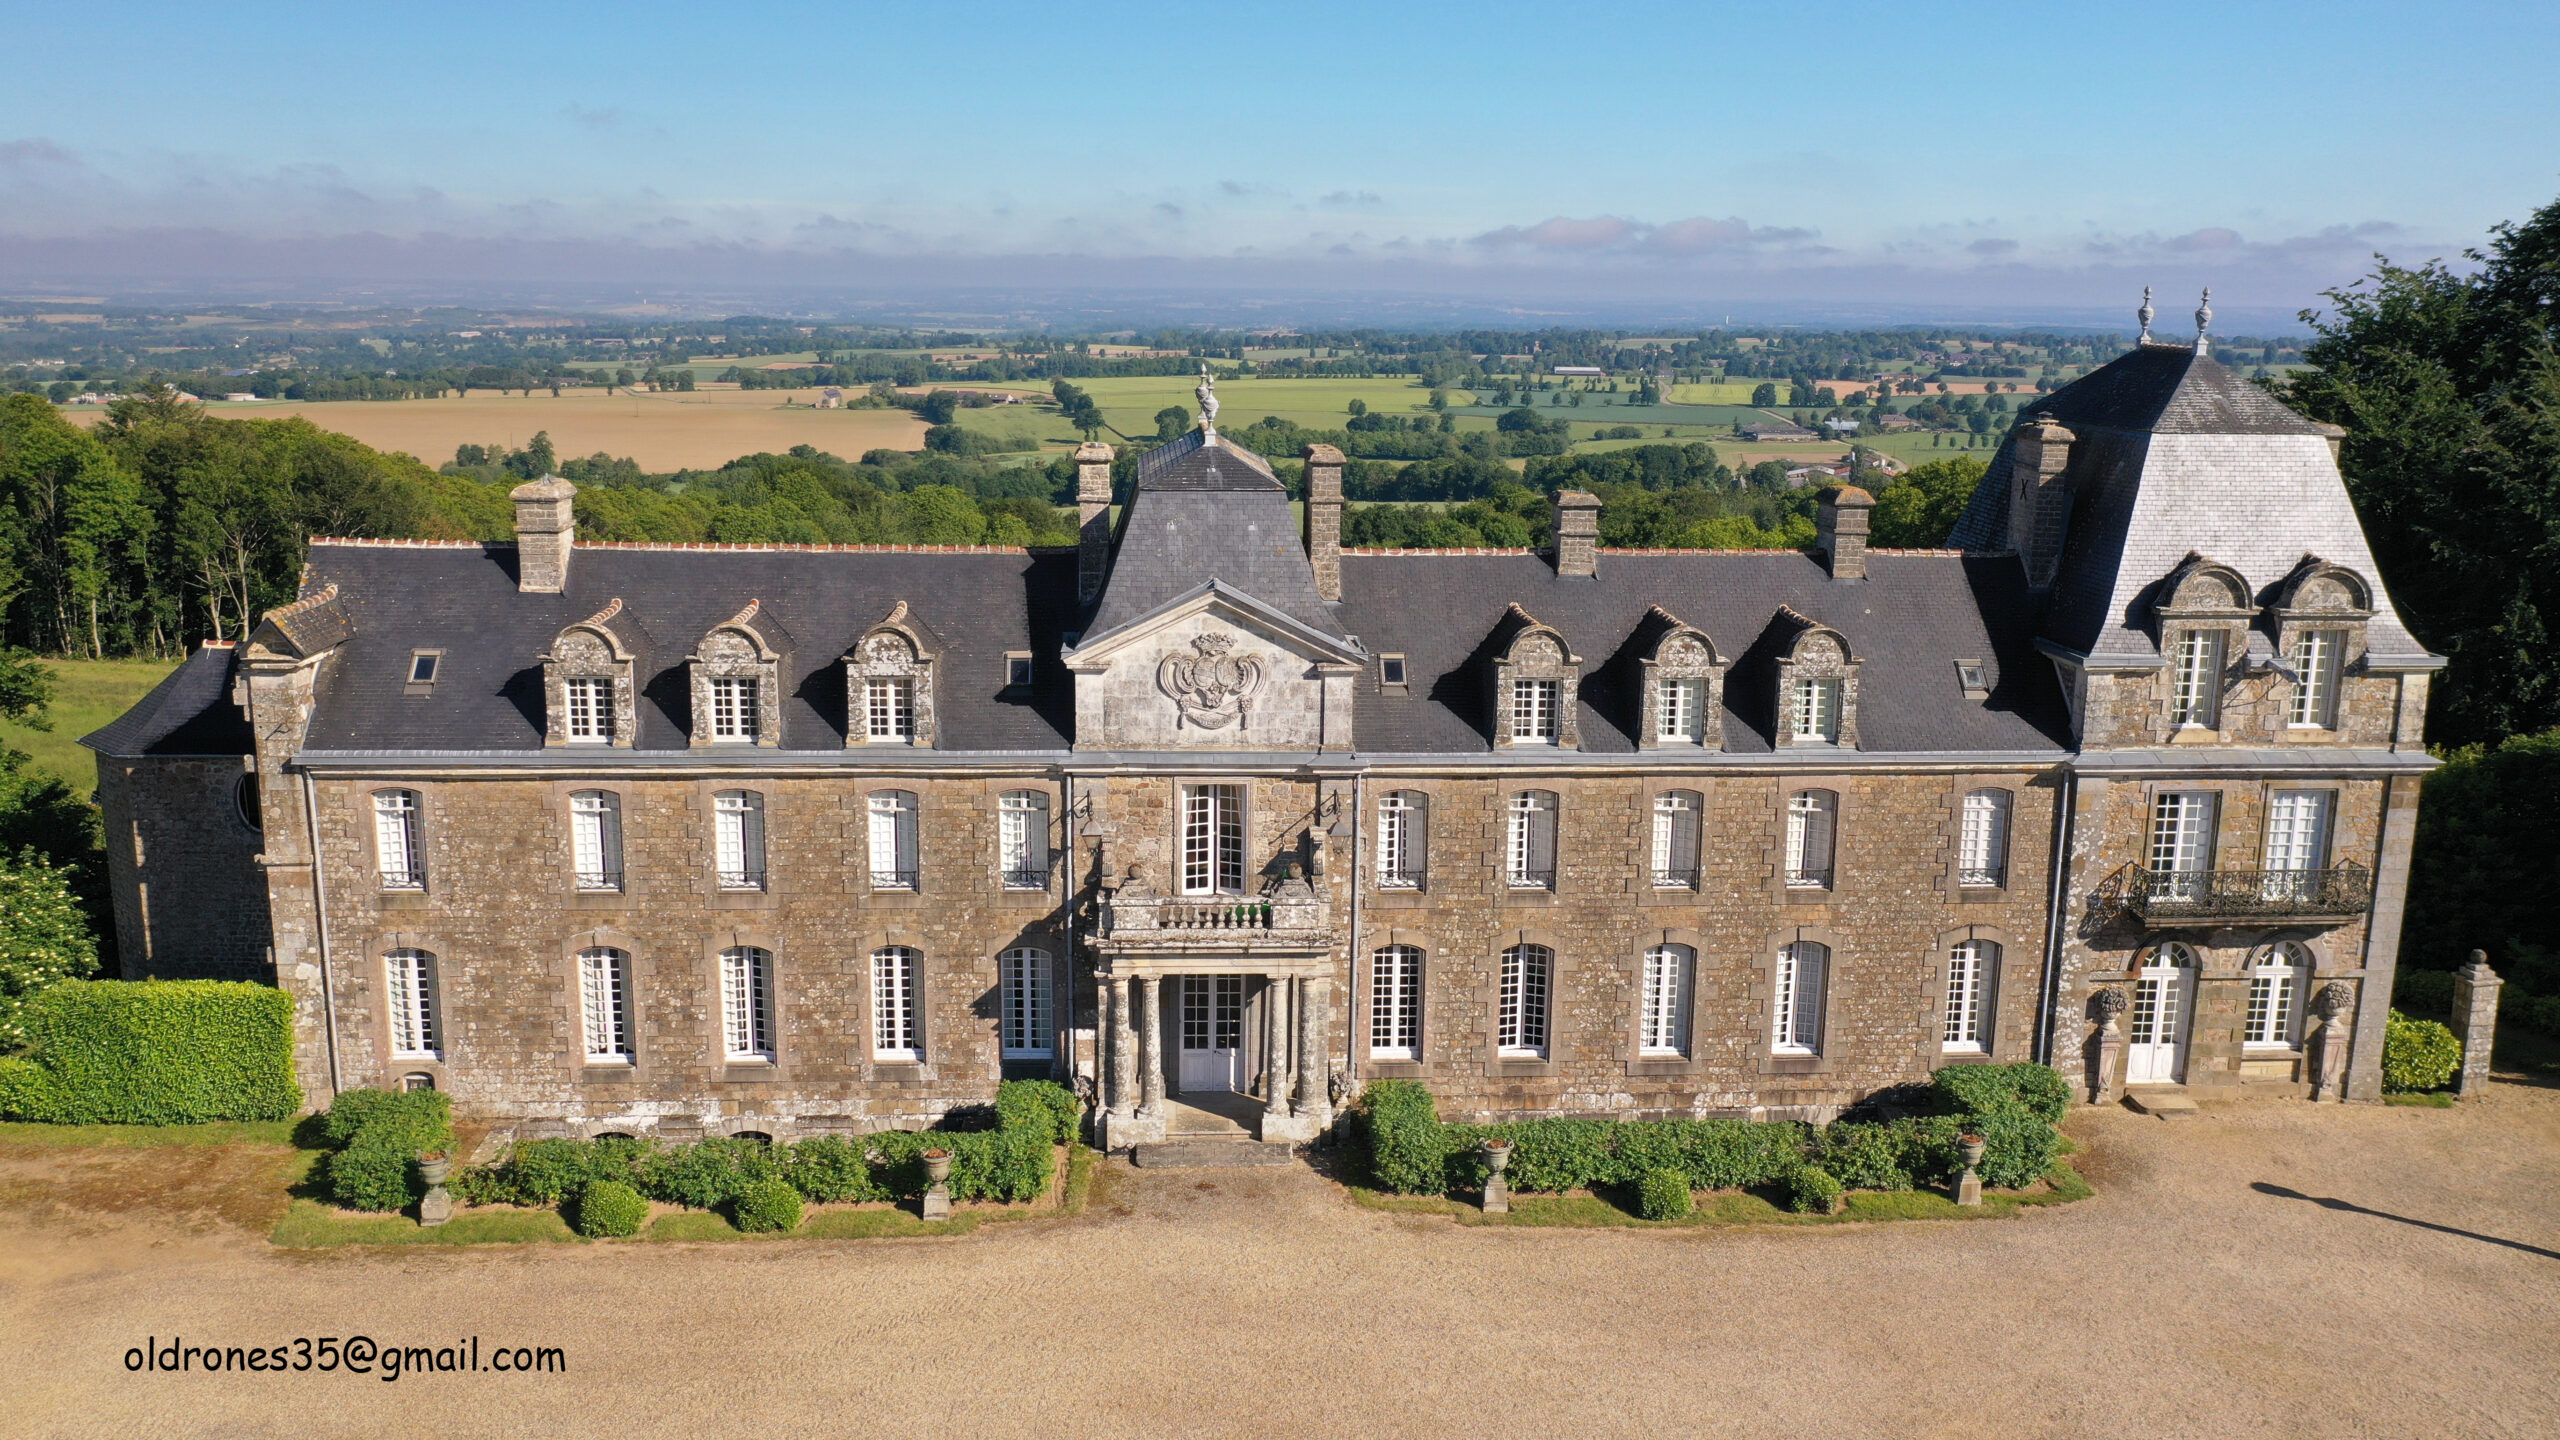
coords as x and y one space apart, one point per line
1209 686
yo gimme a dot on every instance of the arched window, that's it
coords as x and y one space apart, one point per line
1982 850
1663 1028
414 1011
1528 977
595 835
395 840
1022 839
746 1002
1796 998
738 817
2275 996
1404 824
604 1001
1530 854
1972 970
1395 1003
1025 976
893 840
896 1033
1812 825
1677 816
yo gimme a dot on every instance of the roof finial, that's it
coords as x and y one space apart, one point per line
1208 393
2204 322
2144 315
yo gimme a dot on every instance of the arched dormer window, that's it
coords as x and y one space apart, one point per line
1537 683
2319 617
737 678
888 678
1683 695
1817 700
2204 627
590 680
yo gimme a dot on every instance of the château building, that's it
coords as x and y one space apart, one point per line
1222 821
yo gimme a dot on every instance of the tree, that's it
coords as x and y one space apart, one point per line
44 938
938 407
1358 407
1764 395
1921 506
1171 421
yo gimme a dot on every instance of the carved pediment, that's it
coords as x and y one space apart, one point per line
1215 668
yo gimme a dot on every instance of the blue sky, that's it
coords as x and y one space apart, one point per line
1983 155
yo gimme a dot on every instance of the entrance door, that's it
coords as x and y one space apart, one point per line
1213 1032
2155 1051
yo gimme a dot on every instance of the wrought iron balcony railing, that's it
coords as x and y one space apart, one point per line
2173 897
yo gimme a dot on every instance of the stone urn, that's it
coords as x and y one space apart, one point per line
437 1206
1969 1186
937 1192
1497 1191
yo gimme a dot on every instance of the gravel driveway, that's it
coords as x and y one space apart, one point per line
2276 1271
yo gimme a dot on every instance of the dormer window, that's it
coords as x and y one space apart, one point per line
2316 654
1815 710
1817 694
889 710
1533 712
2205 617
737 679
588 679
2195 690
734 712
590 707
888 678
1683 686
2320 614
1535 680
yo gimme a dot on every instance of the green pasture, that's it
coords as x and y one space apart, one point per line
86 695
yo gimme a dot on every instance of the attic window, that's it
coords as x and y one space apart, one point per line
423 665
1391 670
1976 682
1017 669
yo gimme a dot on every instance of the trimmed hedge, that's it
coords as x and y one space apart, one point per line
380 1135
2417 1055
608 1207
1813 1190
767 1207
1662 1195
153 1052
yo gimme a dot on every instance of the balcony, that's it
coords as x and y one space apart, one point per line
1292 916
2213 897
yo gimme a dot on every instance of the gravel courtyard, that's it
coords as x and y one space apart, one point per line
2282 1271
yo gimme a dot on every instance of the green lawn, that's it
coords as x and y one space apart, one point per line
87 694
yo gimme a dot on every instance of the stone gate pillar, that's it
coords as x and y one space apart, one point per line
2475 1019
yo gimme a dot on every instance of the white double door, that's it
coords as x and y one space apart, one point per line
1212 1025
2155 1050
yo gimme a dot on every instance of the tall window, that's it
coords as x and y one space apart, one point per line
1663 1028
1212 839
413 1004
1815 709
2316 654
733 708
2275 991
1676 822
1530 848
1025 974
590 711
2297 842
1970 967
1528 973
595 839
604 993
894 1035
2195 692
1022 839
738 820
893 839
1683 720
889 709
1982 844
2181 843
1813 822
1533 712
1403 826
1797 1001
1395 1003
746 1002
395 840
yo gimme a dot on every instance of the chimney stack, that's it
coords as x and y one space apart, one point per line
1840 530
1093 518
2039 501
1577 533
1324 518
546 531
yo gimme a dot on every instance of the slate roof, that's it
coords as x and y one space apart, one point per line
1208 510
189 713
1915 615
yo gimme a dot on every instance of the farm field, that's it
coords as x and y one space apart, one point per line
86 695
665 431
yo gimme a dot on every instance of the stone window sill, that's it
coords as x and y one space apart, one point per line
749 1070
402 900
607 1072
898 1073
1795 1065
1399 899
1538 898
1394 1069
1662 1065
1981 894
1520 1066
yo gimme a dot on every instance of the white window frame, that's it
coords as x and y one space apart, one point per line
889 709
395 840
1022 839
897 1005
1402 836
2297 843
1814 709
589 703
1813 839
604 1004
737 819
735 708
1679 832
1982 839
1533 711
1796 998
2195 690
1213 830
1662 1024
1973 968
2273 1020
892 839
1530 836
1395 1002
1025 975
746 1003
1683 717
2316 657
1527 991
2181 844
410 980
595 841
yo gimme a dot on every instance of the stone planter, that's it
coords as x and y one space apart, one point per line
1969 1186
437 1206
937 1193
1497 1191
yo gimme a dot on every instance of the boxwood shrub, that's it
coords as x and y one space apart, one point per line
1662 1195
832 1169
2417 1055
766 1207
379 1135
608 1207
707 1173
1813 1190
154 1052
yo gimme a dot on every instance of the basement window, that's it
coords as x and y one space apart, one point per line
1391 670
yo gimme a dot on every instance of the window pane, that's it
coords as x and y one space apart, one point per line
1797 1003
2197 685
1533 711
1810 824
1525 977
1969 968
1395 1003
893 840
2316 654
603 982
893 1003
739 838
746 993
2181 843
1022 838
395 838
1026 1005
413 1003
595 832
1983 856
733 708
889 708
1663 1025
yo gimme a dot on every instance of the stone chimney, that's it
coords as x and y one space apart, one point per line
1093 518
2336 436
1840 530
1577 533
2039 501
1324 518
546 531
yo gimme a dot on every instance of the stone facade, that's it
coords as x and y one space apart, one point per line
185 856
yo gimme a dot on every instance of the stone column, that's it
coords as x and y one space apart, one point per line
1275 1049
1124 1068
1316 998
2475 1019
1151 1047
2107 1055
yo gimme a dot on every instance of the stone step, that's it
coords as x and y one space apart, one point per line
2166 1104
1173 1154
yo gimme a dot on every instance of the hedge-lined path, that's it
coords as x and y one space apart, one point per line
2196 1294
